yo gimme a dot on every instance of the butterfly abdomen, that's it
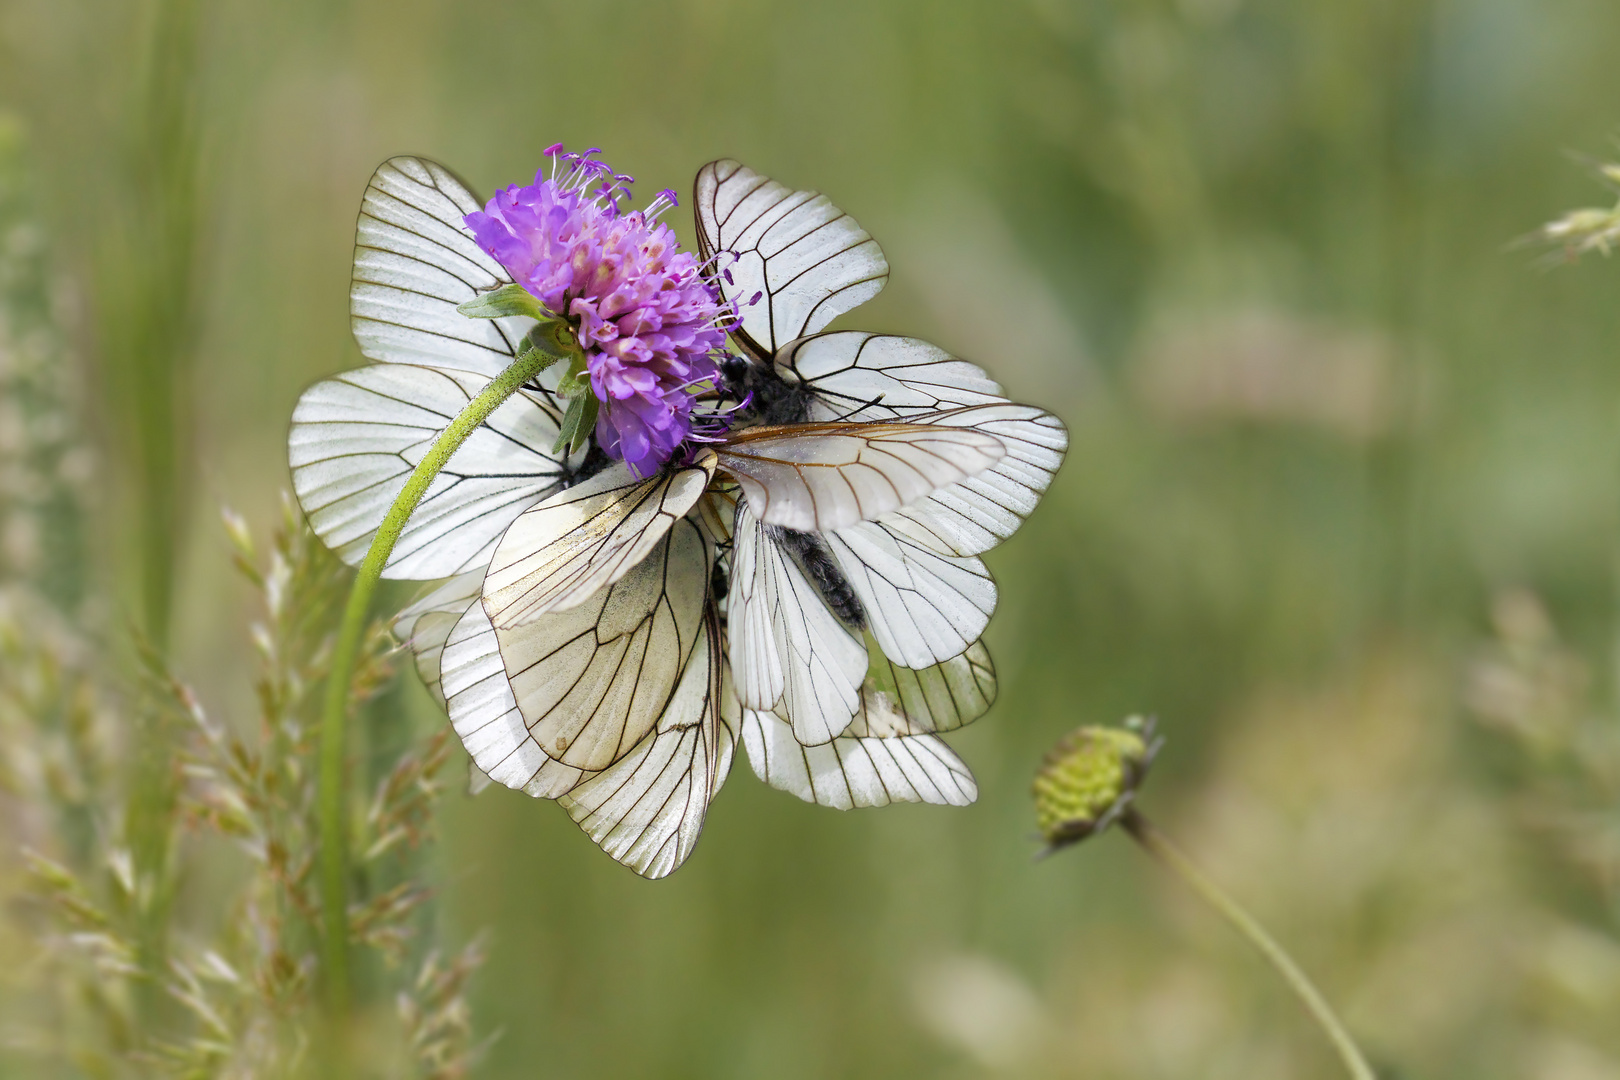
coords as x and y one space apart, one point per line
810 552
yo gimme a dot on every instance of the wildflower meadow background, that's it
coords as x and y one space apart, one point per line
1341 508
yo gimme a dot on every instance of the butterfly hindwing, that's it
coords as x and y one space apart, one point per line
356 438
853 374
565 549
898 701
921 607
789 652
648 808
592 680
851 772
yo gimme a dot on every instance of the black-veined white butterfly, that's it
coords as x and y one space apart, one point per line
807 589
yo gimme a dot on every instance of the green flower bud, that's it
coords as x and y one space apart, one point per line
1089 779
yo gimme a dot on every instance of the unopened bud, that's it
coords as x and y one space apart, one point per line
1089 779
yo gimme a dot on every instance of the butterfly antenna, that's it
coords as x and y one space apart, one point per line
859 408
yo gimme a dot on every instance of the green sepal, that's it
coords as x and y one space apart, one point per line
578 422
512 299
555 338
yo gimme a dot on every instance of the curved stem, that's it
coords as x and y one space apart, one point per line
1159 846
331 790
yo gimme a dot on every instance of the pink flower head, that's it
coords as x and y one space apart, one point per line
649 324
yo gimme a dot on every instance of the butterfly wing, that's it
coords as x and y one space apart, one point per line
890 752
864 376
880 377
415 260
425 625
851 772
975 514
921 607
788 651
900 701
564 550
648 808
822 477
356 438
789 260
485 714
591 681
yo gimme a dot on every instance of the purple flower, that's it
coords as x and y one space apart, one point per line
649 324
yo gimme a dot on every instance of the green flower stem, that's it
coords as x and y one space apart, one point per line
333 819
1159 846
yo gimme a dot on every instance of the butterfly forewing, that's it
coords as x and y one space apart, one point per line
976 514
414 262
355 439
878 377
567 548
790 260
822 477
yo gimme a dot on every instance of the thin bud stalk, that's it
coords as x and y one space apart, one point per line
1160 847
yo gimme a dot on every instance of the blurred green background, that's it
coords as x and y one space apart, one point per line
1324 423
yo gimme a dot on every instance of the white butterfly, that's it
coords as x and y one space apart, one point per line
822 599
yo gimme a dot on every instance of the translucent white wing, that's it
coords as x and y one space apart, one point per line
414 262
922 607
821 477
426 624
978 513
899 700
788 651
861 376
796 261
486 716
355 439
592 680
850 772
878 377
564 550
648 808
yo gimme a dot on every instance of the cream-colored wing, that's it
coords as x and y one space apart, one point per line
569 547
921 606
898 700
592 680
851 772
648 808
